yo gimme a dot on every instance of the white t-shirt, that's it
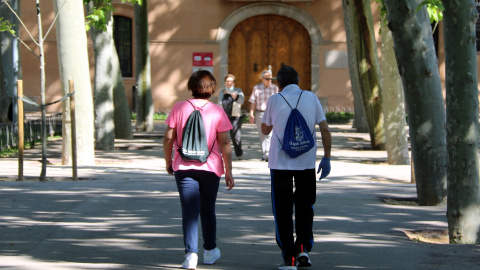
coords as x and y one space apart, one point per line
276 115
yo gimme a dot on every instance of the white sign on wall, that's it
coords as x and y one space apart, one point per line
336 59
203 68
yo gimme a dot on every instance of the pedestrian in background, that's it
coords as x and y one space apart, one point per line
258 103
288 172
230 98
198 182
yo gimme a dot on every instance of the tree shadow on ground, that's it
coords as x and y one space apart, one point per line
136 224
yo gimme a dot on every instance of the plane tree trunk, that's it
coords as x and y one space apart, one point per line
418 67
396 141
73 64
144 92
367 67
463 204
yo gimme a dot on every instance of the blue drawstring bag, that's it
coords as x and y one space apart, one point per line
297 138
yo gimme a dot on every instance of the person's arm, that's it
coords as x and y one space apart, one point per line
326 138
239 97
220 96
266 129
252 110
324 166
168 139
224 141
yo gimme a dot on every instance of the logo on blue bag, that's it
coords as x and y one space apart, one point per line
298 134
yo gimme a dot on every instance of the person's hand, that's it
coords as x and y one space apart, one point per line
168 167
234 95
324 166
252 119
229 181
170 170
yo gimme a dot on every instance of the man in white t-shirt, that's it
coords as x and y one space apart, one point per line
286 171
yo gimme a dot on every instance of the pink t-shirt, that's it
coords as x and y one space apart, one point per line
215 121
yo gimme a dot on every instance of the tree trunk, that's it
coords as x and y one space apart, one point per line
5 100
122 114
5 82
418 67
359 121
368 68
73 64
103 85
463 204
43 173
10 70
144 92
393 104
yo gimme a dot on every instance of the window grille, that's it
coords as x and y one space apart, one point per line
122 35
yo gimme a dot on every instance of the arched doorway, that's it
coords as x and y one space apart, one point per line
297 14
268 41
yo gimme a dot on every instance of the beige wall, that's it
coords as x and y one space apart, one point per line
192 26
180 27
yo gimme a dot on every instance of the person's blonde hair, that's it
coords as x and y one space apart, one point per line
230 76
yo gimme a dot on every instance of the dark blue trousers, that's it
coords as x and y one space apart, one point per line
198 193
284 199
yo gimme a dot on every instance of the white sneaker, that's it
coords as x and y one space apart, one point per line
303 260
210 256
190 262
288 265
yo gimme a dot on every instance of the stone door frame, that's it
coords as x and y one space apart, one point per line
292 12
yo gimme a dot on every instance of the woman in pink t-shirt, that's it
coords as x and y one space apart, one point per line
198 182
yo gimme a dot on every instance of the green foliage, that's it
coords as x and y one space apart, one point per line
96 16
435 9
6 26
339 117
383 11
160 116
156 116
8 152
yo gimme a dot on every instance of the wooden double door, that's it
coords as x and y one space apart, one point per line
264 41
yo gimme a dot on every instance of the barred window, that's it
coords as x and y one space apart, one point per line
122 35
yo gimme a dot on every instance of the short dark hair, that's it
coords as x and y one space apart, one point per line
202 84
287 75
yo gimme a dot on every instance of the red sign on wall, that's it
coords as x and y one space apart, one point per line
202 59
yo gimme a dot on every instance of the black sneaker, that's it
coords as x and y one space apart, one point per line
303 260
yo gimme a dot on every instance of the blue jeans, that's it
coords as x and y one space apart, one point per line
198 193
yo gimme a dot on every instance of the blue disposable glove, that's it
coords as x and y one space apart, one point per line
324 166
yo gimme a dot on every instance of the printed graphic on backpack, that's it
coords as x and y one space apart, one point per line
297 138
194 139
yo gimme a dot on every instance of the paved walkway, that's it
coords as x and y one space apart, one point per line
125 213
